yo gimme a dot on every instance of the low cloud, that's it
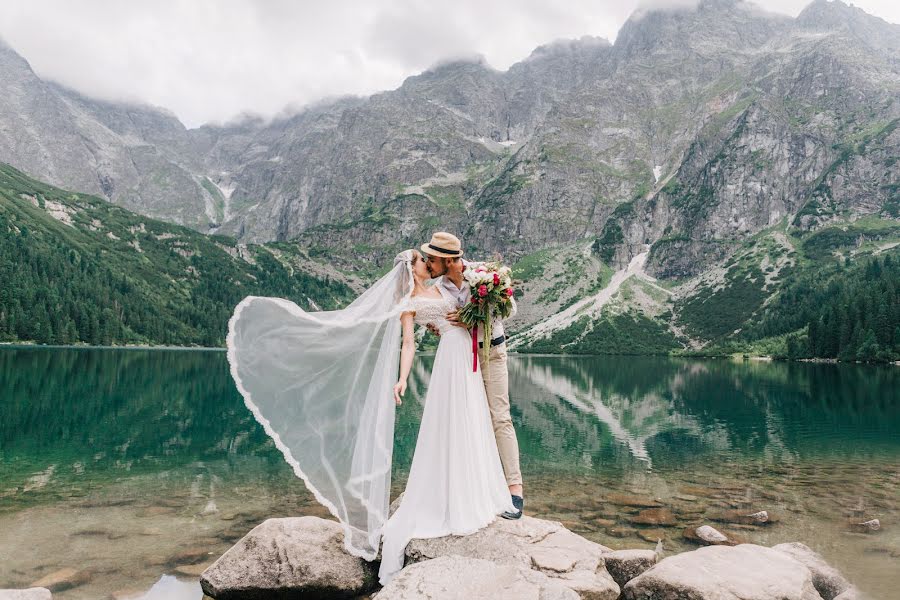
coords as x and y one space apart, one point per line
210 60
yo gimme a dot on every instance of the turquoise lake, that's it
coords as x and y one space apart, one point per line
140 467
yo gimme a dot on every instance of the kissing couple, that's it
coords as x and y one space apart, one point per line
324 385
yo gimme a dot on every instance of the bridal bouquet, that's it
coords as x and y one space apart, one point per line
491 297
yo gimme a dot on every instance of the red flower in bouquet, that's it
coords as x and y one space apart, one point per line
490 285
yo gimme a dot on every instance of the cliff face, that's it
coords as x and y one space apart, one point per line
697 129
139 157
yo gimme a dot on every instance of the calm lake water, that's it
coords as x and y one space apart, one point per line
140 467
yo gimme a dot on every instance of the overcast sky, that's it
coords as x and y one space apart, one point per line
210 60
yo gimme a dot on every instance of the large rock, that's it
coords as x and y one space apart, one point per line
530 543
283 558
625 565
745 572
828 581
34 593
461 578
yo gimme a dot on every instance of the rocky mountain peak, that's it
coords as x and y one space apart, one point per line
834 16
9 58
587 44
711 25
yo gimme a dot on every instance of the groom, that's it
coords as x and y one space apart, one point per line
444 260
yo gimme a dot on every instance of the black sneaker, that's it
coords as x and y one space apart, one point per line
519 504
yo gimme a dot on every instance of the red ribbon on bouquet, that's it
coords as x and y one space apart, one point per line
475 348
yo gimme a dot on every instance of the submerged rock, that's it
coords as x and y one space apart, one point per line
748 572
866 526
530 543
473 579
621 532
651 535
828 581
63 579
741 517
288 557
709 536
654 516
632 500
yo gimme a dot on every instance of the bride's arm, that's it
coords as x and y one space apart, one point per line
407 351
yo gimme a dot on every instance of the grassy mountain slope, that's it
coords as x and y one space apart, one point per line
76 268
787 293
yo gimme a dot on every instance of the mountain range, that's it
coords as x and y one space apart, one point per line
662 158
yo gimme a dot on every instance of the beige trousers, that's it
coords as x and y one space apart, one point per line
496 385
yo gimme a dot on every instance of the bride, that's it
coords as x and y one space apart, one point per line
321 385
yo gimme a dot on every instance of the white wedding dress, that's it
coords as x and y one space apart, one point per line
456 483
320 384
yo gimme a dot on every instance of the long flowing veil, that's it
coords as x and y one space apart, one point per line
320 384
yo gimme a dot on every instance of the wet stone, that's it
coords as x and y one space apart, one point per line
155 511
745 517
621 532
632 500
705 537
191 570
63 579
190 556
651 535
686 497
654 516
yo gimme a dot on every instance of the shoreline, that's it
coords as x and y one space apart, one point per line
92 347
734 357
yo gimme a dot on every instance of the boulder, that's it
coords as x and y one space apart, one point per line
461 578
744 572
33 593
530 543
288 557
625 565
828 580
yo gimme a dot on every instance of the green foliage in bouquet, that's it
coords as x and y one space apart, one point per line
490 284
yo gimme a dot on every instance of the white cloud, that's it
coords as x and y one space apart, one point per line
209 60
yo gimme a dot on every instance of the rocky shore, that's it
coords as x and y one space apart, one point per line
304 557
530 558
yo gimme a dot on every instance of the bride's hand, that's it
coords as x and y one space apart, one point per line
399 390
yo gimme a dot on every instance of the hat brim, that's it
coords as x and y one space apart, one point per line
427 249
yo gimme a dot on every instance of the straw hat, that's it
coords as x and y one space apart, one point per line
443 244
